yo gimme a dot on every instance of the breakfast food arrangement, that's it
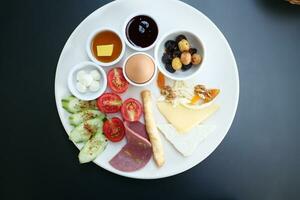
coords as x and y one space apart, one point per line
141 96
184 107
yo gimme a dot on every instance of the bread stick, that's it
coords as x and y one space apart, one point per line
157 147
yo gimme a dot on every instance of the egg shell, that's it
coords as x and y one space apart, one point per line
139 68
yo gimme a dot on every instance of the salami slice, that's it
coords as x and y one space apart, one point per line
137 152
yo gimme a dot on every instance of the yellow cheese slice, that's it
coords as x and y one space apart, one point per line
184 119
105 50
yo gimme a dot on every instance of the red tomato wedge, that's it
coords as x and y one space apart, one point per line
131 110
109 103
114 129
116 80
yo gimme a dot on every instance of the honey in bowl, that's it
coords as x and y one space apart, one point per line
106 46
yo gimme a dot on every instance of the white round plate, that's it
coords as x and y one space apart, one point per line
220 71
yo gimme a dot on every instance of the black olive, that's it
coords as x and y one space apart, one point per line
166 58
169 68
179 38
176 48
186 67
192 51
170 45
176 53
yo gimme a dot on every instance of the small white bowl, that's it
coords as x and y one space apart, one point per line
87 66
142 84
194 41
125 35
90 52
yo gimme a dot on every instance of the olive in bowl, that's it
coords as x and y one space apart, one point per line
179 55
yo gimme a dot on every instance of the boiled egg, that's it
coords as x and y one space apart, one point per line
139 68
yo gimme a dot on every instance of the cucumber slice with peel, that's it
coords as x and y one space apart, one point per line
78 118
86 130
74 105
93 147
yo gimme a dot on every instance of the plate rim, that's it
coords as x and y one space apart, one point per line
236 98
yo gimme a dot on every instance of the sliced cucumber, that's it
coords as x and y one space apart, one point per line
85 130
74 105
77 118
93 147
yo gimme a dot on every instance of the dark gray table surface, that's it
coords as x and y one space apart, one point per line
258 159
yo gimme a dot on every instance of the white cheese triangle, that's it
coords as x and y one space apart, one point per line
186 143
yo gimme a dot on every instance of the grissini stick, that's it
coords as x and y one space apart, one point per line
157 147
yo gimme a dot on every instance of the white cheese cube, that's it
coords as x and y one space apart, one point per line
95 85
80 75
95 74
86 80
80 87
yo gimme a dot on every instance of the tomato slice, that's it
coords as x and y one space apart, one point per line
116 80
109 103
114 129
131 110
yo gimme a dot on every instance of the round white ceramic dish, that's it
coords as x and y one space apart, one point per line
89 49
194 41
142 84
86 66
220 72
